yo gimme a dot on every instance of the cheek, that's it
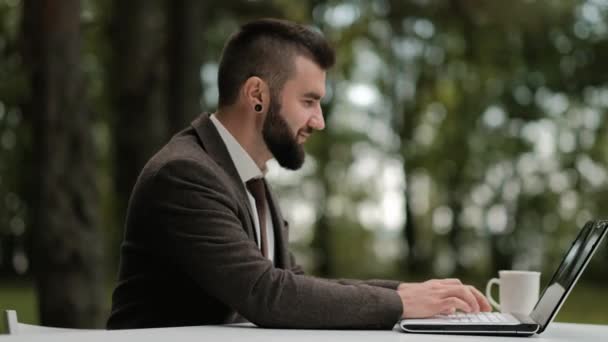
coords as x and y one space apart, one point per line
295 116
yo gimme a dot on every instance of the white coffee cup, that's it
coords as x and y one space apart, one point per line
518 291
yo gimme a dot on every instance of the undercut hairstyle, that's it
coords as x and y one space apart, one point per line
267 48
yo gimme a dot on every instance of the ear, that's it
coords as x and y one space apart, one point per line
256 92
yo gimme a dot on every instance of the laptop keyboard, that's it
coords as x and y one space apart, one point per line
482 317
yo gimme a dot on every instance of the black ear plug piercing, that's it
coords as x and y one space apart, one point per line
258 107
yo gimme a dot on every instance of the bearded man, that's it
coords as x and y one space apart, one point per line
205 240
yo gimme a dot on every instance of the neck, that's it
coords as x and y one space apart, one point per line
246 128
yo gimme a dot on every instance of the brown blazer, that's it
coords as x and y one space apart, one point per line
189 255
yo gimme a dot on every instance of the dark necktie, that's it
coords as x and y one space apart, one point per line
258 190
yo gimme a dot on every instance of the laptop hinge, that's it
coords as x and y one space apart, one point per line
524 318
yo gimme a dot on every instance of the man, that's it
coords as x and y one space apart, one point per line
205 240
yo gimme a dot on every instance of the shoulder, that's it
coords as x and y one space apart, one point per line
184 165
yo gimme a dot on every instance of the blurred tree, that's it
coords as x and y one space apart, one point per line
15 147
496 111
66 245
137 84
185 57
322 243
474 87
323 262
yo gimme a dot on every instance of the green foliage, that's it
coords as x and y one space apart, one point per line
21 297
487 122
490 116
15 143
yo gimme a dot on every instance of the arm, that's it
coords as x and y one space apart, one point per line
425 299
387 284
208 242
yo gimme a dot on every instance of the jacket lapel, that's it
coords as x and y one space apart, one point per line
214 145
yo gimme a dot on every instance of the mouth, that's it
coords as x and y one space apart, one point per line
303 137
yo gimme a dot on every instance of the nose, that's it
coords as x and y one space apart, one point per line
317 121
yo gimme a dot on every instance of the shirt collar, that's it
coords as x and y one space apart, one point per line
243 162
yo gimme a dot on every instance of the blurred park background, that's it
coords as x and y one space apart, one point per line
463 137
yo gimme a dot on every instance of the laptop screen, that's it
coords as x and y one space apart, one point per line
568 272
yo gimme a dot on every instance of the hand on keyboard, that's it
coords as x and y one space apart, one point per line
440 296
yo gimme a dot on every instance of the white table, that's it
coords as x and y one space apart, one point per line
555 332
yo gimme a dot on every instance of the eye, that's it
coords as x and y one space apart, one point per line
309 103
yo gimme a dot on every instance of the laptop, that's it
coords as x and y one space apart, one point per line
516 324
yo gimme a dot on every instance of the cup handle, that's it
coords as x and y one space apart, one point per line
489 292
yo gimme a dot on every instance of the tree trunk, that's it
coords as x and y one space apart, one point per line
66 244
137 79
185 57
455 237
412 260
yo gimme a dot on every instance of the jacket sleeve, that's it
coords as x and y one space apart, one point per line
208 242
388 284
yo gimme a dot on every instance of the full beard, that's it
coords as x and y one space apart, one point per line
280 140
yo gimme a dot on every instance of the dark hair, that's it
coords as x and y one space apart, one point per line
267 48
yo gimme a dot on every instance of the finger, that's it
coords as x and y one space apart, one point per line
451 281
482 301
449 311
464 294
443 282
453 303
471 290
440 282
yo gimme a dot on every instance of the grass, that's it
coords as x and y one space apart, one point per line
20 297
586 304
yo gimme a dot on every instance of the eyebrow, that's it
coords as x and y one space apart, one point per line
313 95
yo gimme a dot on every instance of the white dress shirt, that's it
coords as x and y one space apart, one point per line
247 170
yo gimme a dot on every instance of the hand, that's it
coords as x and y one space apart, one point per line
440 296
